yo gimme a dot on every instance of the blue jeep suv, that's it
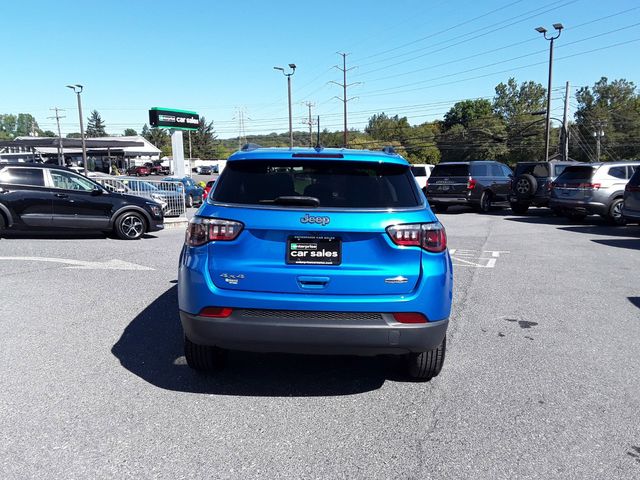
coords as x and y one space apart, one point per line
320 251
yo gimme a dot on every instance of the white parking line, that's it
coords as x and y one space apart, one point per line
478 257
113 264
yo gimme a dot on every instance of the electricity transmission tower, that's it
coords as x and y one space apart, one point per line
344 99
58 117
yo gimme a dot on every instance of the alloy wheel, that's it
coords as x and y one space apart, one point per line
132 226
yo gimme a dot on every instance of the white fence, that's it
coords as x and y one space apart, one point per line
168 194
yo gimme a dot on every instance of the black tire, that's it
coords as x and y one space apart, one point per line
203 357
519 208
615 212
525 186
3 224
130 226
485 202
426 365
440 208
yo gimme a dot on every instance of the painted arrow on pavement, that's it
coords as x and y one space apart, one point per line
113 264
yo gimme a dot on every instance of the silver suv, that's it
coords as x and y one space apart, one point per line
592 188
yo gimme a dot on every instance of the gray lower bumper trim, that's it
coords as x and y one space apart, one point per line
314 336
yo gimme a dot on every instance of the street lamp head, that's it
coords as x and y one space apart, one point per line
541 30
292 66
77 88
558 26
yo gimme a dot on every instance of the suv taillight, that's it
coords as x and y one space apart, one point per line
632 188
471 184
429 236
203 230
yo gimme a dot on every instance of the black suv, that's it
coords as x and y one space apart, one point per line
478 183
532 184
47 197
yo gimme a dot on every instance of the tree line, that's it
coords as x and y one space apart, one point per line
509 127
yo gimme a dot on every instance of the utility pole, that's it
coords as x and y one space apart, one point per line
543 31
77 89
565 125
599 133
344 86
58 117
310 122
242 134
190 155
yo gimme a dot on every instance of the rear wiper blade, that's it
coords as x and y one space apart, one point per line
294 200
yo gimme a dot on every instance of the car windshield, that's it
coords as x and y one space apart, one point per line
333 184
576 174
451 170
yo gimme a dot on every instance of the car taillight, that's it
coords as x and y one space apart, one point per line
216 312
471 184
409 317
203 230
632 188
589 186
429 236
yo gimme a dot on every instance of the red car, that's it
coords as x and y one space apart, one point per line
139 171
207 189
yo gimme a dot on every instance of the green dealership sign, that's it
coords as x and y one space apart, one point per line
172 118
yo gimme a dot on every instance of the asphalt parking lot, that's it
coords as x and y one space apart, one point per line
540 380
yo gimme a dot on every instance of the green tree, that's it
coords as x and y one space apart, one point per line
465 112
48 133
204 142
383 127
483 140
130 132
158 137
421 146
613 108
95 125
515 104
26 125
74 135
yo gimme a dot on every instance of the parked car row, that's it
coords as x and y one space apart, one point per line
572 189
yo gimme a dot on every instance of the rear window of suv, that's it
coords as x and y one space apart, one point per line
576 174
450 170
334 184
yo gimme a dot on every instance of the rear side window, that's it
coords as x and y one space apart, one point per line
450 170
480 170
419 171
558 169
538 170
32 177
334 184
580 174
618 172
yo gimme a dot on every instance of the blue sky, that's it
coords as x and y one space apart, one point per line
414 58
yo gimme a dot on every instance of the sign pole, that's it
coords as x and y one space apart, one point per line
177 153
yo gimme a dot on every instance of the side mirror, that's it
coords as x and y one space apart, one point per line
97 191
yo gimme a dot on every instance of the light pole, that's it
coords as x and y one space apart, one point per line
77 89
543 31
292 66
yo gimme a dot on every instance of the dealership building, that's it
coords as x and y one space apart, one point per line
103 153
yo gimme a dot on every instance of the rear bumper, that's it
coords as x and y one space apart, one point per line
301 332
450 200
581 206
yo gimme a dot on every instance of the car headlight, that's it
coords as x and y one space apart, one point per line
156 209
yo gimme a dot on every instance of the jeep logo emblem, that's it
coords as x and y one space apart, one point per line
311 219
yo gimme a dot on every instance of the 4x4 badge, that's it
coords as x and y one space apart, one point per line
311 219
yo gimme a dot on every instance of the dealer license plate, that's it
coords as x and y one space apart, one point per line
308 250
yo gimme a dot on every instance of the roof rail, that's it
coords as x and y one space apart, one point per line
247 147
389 150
